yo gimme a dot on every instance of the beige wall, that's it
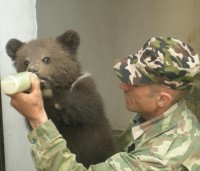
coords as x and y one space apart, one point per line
110 29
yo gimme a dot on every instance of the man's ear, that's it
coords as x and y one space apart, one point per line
164 99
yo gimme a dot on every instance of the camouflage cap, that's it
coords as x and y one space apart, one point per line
162 60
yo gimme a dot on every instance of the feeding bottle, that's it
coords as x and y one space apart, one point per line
16 83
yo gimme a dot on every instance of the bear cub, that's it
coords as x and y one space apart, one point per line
70 96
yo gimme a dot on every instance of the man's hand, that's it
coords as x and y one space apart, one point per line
31 105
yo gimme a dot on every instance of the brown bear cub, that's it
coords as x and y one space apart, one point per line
70 96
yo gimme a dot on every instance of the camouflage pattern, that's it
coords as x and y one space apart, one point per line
162 60
193 97
170 142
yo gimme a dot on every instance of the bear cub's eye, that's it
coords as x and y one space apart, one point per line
46 60
26 63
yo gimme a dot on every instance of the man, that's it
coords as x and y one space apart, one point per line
164 135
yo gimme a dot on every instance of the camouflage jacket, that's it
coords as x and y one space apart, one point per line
168 143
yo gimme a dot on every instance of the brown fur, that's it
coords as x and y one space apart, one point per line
78 113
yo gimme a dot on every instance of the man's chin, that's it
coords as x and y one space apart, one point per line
130 108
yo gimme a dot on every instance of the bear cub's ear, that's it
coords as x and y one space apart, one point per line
12 47
70 40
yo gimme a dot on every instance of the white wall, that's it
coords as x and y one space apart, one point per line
111 29
18 20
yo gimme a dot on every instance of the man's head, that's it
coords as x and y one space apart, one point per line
150 100
156 76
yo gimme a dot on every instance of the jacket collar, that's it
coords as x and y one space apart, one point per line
152 128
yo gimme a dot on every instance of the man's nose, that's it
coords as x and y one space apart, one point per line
124 86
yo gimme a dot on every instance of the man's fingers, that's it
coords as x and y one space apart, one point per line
14 103
35 82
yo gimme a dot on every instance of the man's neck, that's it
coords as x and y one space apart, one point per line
158 112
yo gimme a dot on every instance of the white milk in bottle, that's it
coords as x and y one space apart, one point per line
16 83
